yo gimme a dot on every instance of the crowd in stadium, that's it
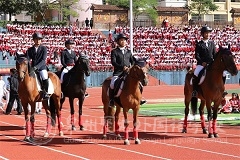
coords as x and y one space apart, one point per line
168 48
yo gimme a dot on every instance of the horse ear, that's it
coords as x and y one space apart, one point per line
229 46
220 47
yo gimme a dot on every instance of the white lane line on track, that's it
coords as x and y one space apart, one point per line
4 158
116 148
69 154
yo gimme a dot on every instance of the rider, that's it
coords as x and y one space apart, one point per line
204 53
38 54
121 59
68 58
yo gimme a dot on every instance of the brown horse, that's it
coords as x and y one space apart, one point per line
210 91
129 99
74 86
29 94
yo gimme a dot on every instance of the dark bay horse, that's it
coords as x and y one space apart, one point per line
210 91
74 86
29 94
129 98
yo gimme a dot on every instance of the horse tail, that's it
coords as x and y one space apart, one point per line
194 101
52 111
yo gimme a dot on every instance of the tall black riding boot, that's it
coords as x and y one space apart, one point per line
45 90
195 86
224 79
141 90
111 97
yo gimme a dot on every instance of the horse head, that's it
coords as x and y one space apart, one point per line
139 70
21 66
82 65
227 59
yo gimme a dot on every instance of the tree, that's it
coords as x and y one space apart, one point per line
64 7
200 7
139 7
11 7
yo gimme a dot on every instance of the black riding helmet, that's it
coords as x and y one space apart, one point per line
206 29
69 42
37 35
121 36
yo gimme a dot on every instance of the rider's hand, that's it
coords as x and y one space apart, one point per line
204 64
125 68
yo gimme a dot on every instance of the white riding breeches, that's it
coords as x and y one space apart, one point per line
198 69
65 70
114 78
44 74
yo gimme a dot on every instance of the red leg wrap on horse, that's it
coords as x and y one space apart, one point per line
116 128
135 133
214 126
105 129
59 122
126 135
210 130
185 122
202 121
48 124
80 120
32 129
28 128
72 119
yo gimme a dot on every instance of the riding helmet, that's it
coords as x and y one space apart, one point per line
121 36
69 42
37 35
206 29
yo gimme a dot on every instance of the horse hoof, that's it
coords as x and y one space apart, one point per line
28 139
46 135
61 133
137 141
215 135
205 131
126 142
210 135
74 128
104 136
119 137
184 130
81 128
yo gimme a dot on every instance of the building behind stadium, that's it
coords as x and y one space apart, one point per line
108 16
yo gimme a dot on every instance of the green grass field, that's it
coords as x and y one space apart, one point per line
176 110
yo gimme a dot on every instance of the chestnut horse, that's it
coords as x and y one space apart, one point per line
74 86
210 91
129 99
29 94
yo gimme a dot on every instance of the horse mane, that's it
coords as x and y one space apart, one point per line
21 59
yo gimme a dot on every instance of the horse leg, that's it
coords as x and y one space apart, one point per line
71 101
32 118
116 123
61 102
209 110
214 121
105 127
49 121
185 122
135 132
27 119
80 104
57 105
126 124
201 112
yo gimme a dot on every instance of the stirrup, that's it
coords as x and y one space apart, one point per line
111 103
143 102
194 94
46 96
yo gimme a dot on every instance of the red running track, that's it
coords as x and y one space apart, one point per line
161 138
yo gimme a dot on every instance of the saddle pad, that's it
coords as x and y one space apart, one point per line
202 78
50 86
